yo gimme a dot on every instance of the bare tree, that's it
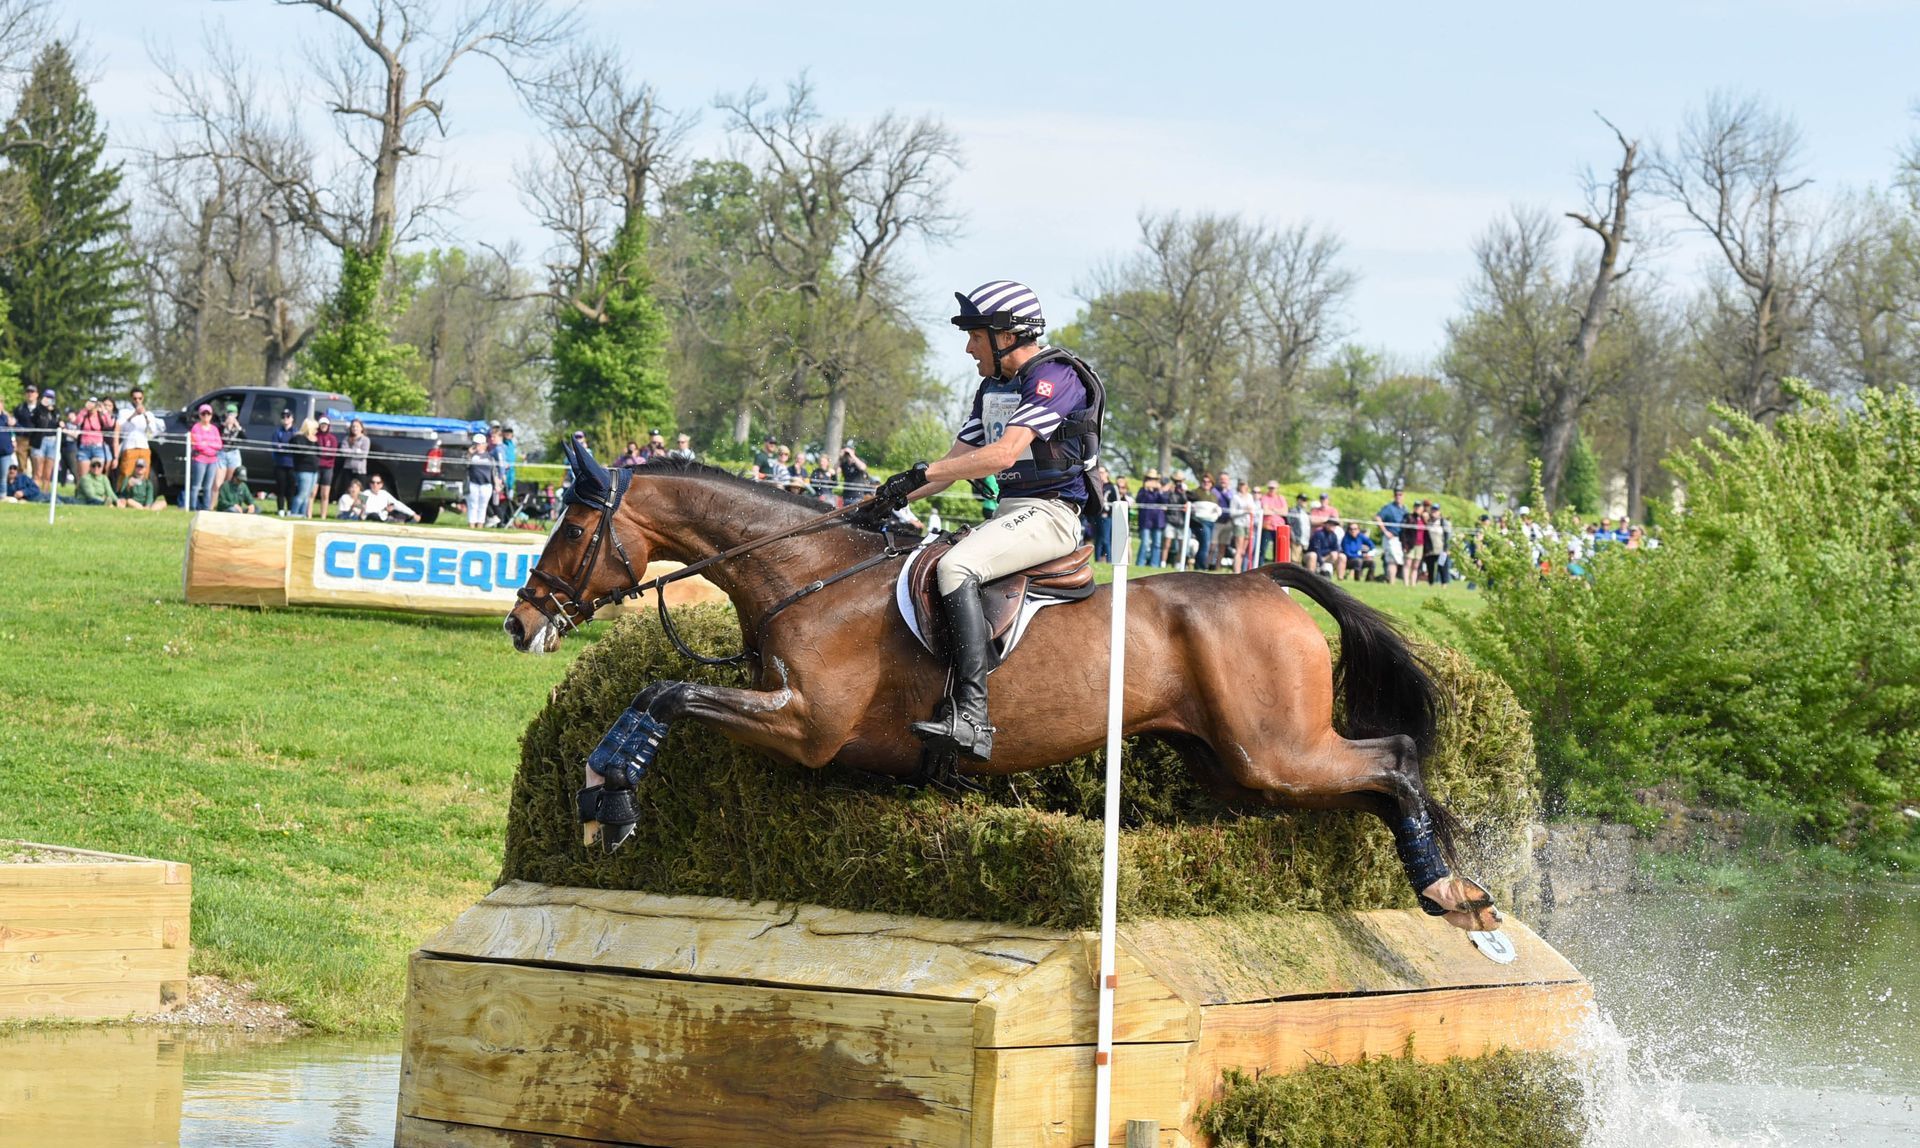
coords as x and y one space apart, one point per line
1169 323
1867 314
1296 290
1569 393
1734 172
838 204
1529 341
612 141
234 248
23 26
384 83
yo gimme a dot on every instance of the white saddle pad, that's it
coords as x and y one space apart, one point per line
903 601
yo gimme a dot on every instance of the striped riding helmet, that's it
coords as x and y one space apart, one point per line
1001 305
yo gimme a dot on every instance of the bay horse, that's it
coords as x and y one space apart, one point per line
1230 665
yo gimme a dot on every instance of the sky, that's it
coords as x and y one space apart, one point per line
1403 128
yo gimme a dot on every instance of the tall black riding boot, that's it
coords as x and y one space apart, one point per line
965 724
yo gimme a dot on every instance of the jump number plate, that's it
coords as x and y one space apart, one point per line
1495 946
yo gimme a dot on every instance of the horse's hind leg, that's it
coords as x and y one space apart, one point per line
1380 776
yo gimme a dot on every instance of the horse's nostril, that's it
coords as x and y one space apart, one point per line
514 629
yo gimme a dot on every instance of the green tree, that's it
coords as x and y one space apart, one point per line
1767 668
1580 483
609 360
353 352
64 263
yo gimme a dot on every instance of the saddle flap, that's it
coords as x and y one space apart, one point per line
1069 576
1002 600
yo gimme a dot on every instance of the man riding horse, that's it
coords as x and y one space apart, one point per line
1035 428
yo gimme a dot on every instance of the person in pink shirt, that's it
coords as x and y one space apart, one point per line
329 454
1276 543
205 442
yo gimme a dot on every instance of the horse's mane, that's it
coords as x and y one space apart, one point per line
685 468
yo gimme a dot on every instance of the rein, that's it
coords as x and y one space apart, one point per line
564 614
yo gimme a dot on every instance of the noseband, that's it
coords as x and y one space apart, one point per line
564 603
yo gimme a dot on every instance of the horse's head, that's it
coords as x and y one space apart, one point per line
585 564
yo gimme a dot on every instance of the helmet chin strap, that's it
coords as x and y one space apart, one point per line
993 345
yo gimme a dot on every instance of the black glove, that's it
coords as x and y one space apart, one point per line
897 491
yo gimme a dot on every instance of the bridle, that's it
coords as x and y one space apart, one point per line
572 611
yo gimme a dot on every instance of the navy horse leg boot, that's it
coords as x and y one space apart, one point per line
964 726
622 758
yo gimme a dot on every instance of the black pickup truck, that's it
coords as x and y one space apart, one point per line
422 459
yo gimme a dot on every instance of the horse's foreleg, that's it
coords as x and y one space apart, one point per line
767 719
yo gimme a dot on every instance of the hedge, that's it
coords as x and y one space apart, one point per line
719 820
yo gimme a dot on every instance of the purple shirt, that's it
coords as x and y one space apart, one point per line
1047 395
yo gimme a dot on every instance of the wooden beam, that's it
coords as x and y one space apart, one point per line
682 1064
1043 1097
1259 957
714 938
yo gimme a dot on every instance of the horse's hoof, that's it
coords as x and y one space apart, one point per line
612 837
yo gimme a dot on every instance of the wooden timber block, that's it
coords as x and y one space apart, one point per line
547 1015
88 935
119 1085
254 560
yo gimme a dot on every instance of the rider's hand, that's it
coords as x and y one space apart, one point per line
897 491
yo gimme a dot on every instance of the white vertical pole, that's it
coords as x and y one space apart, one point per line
53 488
1186 531
1110 844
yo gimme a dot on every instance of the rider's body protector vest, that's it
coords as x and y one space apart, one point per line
1074 446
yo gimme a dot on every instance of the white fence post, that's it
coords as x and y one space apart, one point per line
53 487
1110 843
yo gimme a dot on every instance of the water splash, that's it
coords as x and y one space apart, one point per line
1633 1101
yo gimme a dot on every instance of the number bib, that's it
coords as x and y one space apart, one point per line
996 408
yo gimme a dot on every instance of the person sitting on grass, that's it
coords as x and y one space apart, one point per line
1356 554
90 486
236 497
1323 548
139 491
353 503
21 488
382 506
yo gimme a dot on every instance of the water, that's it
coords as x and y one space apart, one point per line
155 1088
1764 1021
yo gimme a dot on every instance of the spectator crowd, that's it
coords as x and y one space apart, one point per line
1218 521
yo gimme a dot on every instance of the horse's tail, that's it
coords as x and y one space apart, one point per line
1385 686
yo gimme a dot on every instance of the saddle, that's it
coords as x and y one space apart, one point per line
1009 601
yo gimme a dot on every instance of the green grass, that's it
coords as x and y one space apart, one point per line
338 779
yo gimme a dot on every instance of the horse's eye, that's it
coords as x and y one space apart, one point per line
574 532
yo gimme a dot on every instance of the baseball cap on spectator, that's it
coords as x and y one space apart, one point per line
1525 510
1273 484
1153 472
287 413
479 438
233 408
205 409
